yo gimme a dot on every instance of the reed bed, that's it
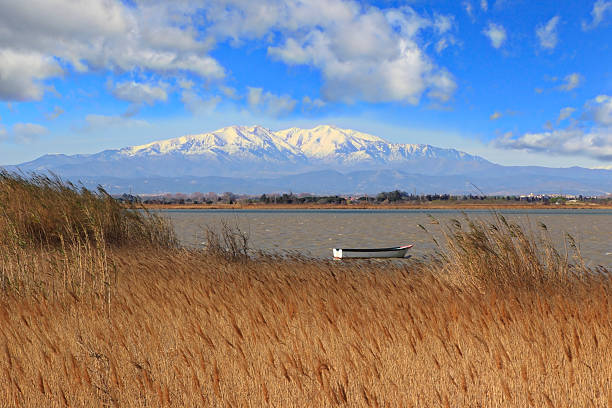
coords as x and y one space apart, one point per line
498 318
44 211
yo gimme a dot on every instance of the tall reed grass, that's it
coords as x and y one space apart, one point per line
54 236
44 211
502 253
498 319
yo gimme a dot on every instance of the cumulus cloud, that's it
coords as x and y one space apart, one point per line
571 81
38 42
496 115
600 110
275 105
387 61
496 34
547 33
383 63
139 93
601 8
22 73
596 143
590 137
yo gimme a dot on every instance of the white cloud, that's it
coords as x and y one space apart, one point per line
185 83
571 81
310 103
496 115
547 33
600 110
274 105
596 143
27 133
441 86
442 26
244 19
94 122
484 5
57 111
442 23
198 105
589 137
385 62
468 9
38 39
600 9
441 45
3 133
230 92
139 93
565 113
496 34
21 74
254 96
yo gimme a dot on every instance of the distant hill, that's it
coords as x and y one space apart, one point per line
325 159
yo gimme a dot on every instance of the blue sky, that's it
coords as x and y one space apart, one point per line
518 82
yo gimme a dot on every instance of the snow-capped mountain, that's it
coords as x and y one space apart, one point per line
251 143
240 158
255 151
328 144
347 146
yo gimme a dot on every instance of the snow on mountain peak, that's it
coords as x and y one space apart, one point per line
231 140
326 143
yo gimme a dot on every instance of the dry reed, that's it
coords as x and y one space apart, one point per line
499 320
45 211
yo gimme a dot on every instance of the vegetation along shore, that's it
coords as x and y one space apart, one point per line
101 306
385 200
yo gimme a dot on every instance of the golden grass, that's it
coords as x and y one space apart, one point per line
499 319
185 329
44 211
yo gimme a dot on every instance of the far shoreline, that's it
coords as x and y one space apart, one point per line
360 206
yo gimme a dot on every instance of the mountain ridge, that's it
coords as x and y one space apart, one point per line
239 153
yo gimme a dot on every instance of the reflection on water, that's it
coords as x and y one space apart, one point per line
316 232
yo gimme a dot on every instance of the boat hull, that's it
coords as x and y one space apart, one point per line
395 252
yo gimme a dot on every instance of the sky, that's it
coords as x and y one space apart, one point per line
518 82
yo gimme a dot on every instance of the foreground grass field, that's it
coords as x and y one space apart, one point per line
499 318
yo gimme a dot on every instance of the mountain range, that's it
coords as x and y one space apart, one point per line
321 160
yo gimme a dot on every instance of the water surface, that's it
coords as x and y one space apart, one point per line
316 232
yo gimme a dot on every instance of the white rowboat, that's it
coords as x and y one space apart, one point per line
394 252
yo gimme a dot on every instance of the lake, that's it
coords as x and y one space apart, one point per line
316 232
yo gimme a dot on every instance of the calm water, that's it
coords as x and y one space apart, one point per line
316 232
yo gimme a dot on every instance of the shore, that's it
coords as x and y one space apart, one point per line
403 206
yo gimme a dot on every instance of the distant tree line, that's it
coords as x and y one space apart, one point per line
394 197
